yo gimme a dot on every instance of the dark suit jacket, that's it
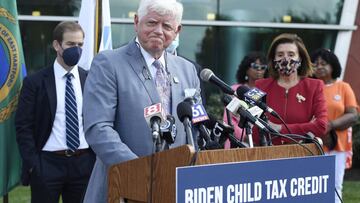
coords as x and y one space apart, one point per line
202 85
35 116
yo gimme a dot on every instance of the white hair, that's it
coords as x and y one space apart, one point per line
162 7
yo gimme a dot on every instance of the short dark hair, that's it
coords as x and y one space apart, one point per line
330 58
246 63
66 26
305 68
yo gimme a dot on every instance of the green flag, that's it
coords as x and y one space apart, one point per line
12 71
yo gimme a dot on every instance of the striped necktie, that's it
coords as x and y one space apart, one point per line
163 86
71 115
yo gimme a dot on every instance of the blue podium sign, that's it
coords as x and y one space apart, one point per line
295 180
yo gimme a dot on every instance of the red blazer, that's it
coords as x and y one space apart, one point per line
302 107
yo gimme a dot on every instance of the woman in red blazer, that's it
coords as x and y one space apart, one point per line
298 99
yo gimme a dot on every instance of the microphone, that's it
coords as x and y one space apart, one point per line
198 114
199 117
168 129
204 139
184 112
154 116
207 75
221 131
192 95
255 97
313 138
237 106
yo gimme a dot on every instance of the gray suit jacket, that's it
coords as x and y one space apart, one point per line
117 90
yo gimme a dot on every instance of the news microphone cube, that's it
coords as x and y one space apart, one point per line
254 96
198 114
154 111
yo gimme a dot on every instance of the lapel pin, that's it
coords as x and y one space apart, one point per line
337 97
300 98
176 80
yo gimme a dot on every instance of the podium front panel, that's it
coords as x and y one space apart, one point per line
308 179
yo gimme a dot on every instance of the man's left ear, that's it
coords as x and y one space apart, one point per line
178 29
136 21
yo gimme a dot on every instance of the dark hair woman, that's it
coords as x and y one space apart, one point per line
252 67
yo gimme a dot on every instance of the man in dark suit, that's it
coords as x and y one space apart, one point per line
49 125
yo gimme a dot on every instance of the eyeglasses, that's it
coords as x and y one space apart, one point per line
258 66
322 64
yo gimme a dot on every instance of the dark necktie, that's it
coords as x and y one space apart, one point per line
162 85
71 115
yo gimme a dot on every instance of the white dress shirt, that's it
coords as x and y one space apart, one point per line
149 60
57 139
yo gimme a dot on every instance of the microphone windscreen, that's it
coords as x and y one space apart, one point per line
184 110
206 74
226 99
241 91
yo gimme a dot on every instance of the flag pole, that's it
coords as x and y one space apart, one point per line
6 198
97 25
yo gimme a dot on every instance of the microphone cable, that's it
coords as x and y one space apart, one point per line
293 141
322 153
283 122
312 140
315 141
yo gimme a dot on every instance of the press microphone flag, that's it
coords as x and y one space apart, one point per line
199 114
221 131
255 97
199 118
154 116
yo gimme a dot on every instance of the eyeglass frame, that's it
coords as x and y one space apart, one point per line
316 64
256 66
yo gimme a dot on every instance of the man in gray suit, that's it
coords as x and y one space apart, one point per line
122 82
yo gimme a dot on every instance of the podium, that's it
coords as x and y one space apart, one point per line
132 179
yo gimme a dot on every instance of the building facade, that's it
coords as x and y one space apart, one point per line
216 33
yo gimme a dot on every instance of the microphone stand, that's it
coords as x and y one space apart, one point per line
243 123
158 143
228 117
248 131
156 136
188 132
262 134
235 143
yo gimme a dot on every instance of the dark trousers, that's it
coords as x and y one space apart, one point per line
57 175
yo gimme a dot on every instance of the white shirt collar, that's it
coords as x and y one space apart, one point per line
60 72
148 58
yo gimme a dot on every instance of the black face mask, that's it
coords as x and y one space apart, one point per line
72 55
